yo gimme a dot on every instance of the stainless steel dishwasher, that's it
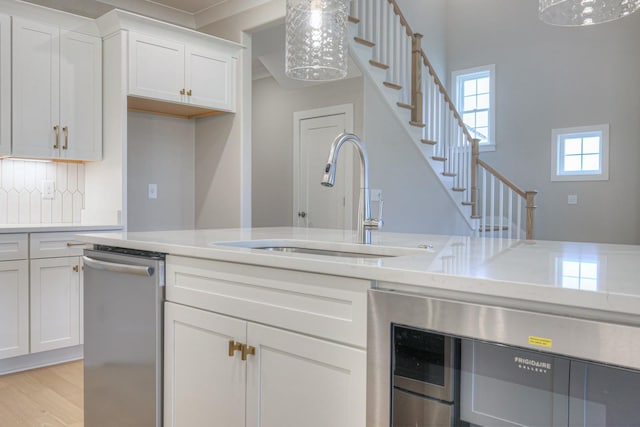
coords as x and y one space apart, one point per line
123 316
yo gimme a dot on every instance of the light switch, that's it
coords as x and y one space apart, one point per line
48 188
153 191
572 199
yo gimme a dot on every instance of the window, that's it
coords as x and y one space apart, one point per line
474 95
580 154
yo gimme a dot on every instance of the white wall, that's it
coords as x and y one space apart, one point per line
272 135
414 199
550 77
426 17
160 150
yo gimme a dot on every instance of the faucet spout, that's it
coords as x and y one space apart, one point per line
365 222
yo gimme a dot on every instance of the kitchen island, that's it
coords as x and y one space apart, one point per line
302 316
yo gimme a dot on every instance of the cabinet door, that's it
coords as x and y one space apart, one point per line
296 380
203 385
210 78
36 89
81 96
156 68
55 303
14 308
5 84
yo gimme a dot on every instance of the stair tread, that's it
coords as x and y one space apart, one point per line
353 19
459 189
392 85
439 159
378 64
467 204
402 105
364 42
486 228
428 142
450 174
417 124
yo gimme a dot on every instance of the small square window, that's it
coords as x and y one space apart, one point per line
580 154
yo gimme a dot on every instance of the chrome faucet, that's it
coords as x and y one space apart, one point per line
365 222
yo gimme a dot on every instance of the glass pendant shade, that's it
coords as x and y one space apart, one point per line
316 41
585 12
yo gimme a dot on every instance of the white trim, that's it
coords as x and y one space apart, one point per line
491 68
604 153
298 116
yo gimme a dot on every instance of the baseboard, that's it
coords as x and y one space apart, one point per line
38 360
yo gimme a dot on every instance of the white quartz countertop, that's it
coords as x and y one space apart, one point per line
587 280
45 228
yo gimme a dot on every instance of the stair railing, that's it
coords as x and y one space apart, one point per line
397 49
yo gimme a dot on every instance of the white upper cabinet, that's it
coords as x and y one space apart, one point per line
156 68
195 75
209 79
81 96
57 92
5 84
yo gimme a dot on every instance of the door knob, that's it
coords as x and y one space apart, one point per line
302 214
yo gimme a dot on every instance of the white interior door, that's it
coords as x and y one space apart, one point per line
315 205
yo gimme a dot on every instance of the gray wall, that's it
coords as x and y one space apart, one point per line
550 77
272 144
414 199
160 150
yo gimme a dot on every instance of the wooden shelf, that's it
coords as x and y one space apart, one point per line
164 108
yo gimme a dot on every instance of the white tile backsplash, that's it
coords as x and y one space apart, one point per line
21 199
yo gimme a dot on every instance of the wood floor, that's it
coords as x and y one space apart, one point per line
45 397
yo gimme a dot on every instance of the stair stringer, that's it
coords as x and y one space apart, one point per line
361 55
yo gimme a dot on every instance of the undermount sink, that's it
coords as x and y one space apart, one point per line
329 249
323 252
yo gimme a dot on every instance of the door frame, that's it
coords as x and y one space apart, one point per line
298 116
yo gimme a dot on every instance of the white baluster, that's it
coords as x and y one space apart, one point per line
519 217
493 202
397 51
509 232
362 17
501 210
375 29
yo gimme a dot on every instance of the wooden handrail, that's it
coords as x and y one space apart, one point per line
501 177
403 20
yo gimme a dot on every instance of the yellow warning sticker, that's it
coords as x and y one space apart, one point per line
541 342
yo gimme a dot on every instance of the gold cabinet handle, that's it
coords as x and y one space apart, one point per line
189 92
247 349
71 244
76 268
181 91
233 346
56 129
65 130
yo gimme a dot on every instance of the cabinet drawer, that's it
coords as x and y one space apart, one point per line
13 247
325 306
51 245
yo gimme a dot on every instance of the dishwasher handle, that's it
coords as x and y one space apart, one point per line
138 270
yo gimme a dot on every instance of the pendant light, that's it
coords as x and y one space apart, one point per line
316 40
585 12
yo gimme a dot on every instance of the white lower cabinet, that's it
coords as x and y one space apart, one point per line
287 379
55 303
14 308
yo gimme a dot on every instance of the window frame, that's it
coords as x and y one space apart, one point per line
457 92
557 153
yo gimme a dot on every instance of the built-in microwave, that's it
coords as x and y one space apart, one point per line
431 362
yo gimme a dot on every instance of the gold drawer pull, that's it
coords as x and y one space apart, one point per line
76 268
189 92
233 346
65 130
56 129
181 91
71 244
247 349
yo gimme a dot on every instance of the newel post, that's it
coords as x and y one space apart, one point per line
530 196
416 78
475 155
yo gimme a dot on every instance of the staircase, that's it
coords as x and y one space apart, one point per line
388 52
